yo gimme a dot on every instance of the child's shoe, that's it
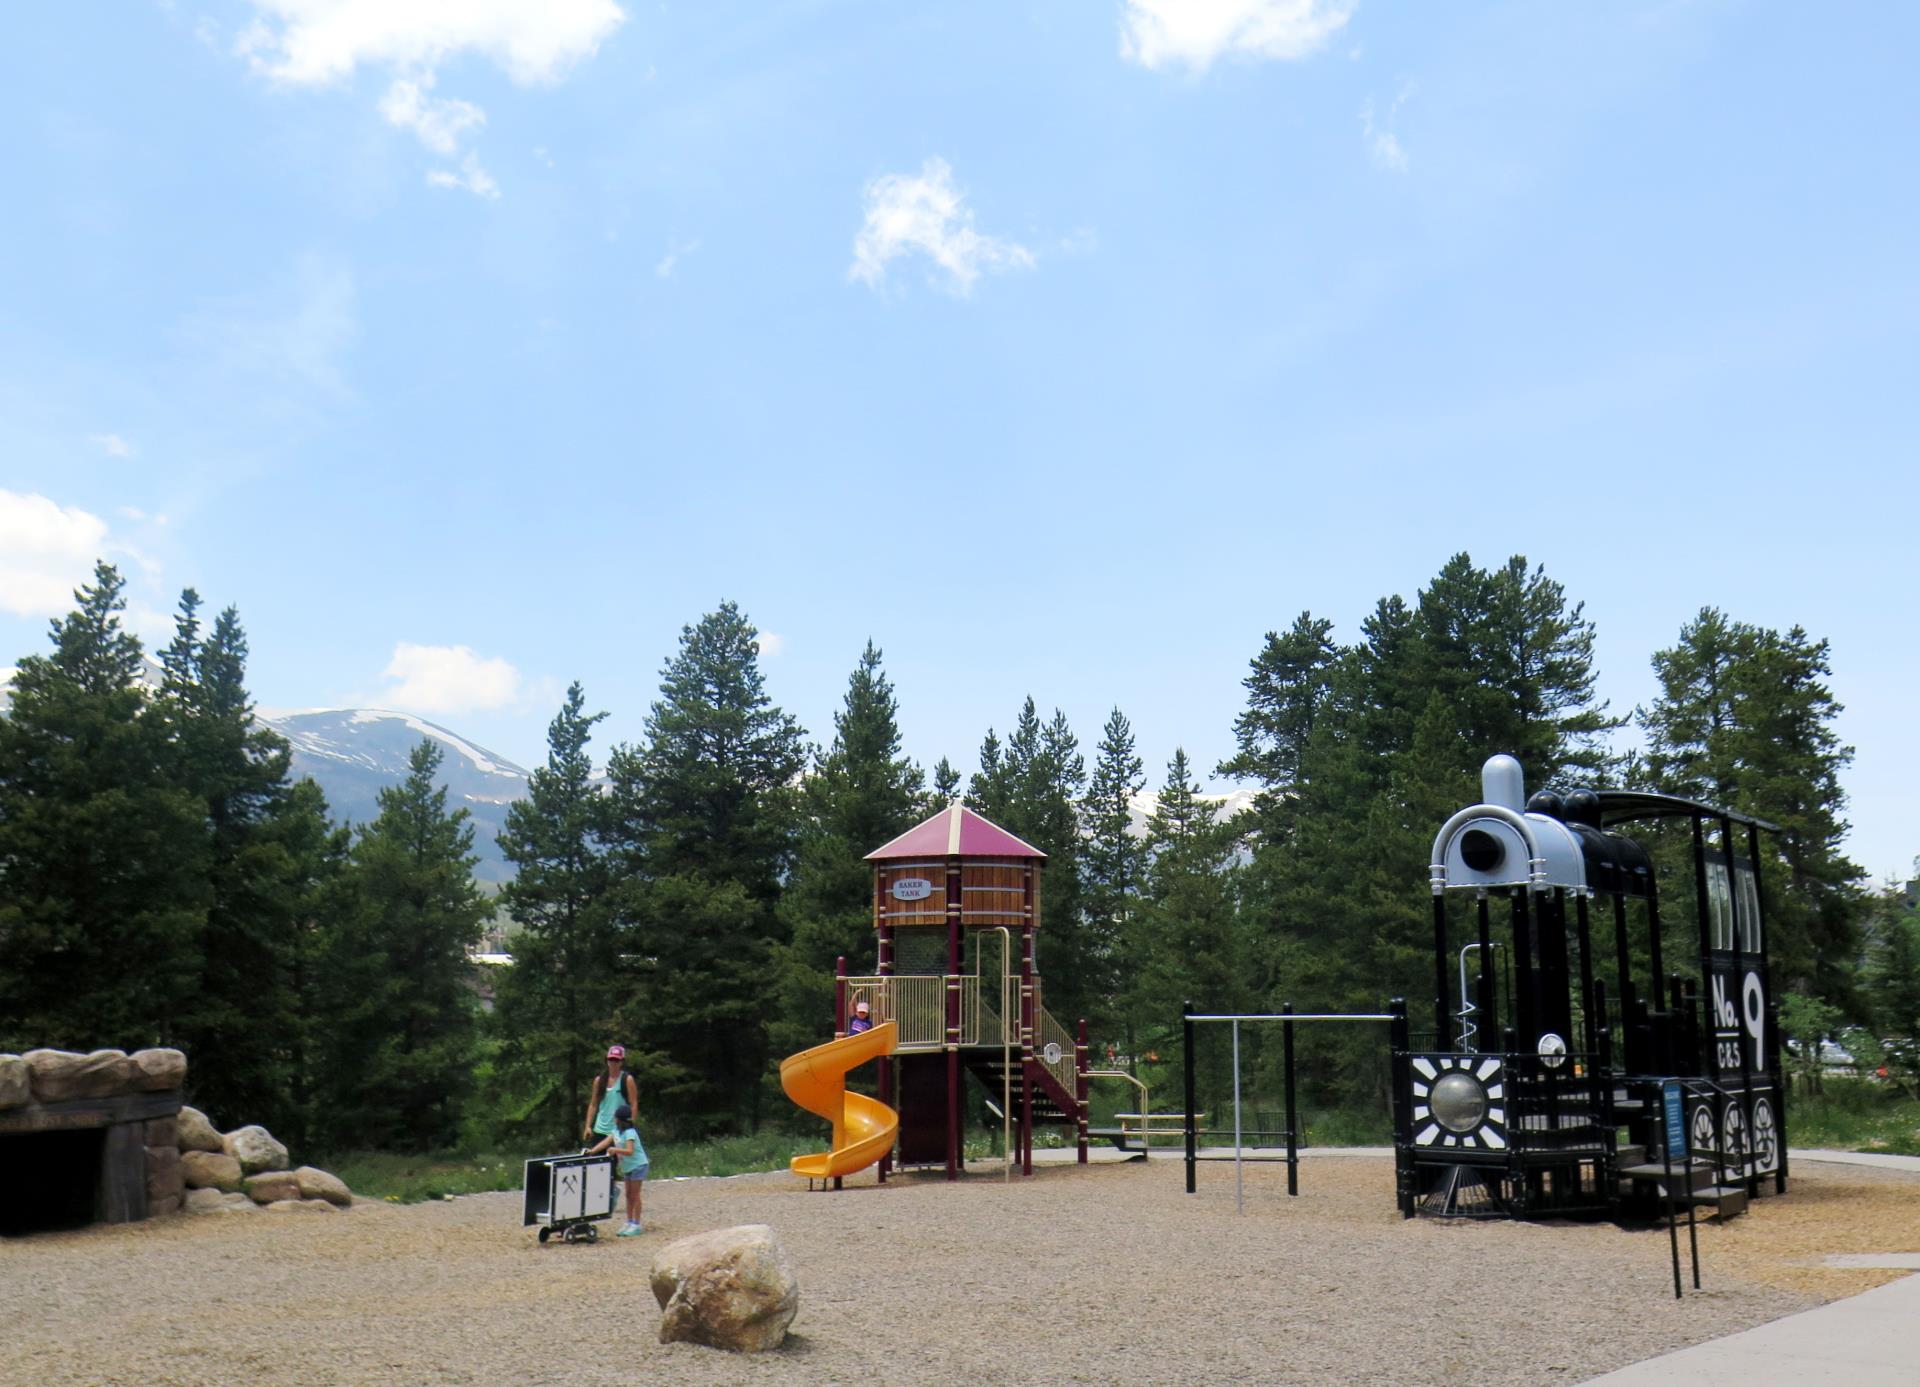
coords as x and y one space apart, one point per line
632 1230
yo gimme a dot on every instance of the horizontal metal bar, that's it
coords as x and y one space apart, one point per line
1302 1016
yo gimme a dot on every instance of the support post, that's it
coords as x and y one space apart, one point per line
1400 1043
889 1066
1772 1024
1293 1125
839 996
1193 1149
1442 1015
1239 1181
1749 1177
1590 1032
1525 993
1487 1020
1029 1008
952 987
1080 1082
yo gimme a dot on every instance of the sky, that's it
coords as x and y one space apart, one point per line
472 347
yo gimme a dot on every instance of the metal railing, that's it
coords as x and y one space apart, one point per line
917 1005
1053 1047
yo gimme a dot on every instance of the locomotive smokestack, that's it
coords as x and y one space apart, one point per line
1502 782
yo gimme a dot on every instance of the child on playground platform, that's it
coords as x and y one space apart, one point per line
624 1142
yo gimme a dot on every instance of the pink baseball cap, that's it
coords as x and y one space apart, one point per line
616 1052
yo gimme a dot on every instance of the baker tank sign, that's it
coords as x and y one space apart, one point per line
912 889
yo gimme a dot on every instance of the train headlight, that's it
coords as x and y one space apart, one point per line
1459 1102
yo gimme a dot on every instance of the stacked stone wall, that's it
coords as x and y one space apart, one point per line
159 1156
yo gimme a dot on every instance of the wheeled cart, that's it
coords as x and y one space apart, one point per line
568 1195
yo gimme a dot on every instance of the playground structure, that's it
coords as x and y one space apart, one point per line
956 908
1544 1092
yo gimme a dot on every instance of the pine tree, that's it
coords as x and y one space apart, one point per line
102 854
1744 721
236 1022
555 1007
1288 689
862 793
1190 939
1892 990
1032 789
1114 862
405 1021
703 821
317 886
1359 754
946 786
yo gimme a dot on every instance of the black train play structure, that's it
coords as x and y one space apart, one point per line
1542 1092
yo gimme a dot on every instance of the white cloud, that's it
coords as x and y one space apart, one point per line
439 121
46 551
1193 33
316 43
676 251
112 444
471 177
1383 144
449 679
927 213
772 644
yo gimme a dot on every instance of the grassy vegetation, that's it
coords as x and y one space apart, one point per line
1855 1115
1850 1115
410 1179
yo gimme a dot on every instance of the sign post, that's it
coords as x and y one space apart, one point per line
1674 1143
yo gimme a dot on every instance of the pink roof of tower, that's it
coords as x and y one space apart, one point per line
955 831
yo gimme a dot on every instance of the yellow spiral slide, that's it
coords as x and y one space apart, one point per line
863 1127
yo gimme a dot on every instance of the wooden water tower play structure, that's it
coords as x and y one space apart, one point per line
957 909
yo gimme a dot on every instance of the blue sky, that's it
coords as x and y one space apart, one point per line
1061 347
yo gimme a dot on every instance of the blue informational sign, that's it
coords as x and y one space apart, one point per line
1675 1121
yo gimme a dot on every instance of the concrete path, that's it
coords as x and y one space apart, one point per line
1910 1164
1870 1340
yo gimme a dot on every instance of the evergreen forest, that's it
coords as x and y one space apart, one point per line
165 881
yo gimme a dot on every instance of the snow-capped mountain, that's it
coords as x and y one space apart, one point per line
1141 807
354 753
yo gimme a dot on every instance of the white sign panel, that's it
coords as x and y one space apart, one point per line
912 889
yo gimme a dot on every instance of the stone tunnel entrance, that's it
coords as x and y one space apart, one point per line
52 1180
88 1138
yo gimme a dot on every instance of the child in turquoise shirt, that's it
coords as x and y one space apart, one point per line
624 1142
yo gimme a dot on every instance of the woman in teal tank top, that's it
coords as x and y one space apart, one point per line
610 1091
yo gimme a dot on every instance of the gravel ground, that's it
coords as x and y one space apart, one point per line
1103 1275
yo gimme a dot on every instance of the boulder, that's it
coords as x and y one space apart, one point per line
255 1149
210 1170
299 1206
156 1071
160 1208
163 1131
16 1081
60 1076
731 1289
165 1178
196 1133
318 1184
272 1185
208 1201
